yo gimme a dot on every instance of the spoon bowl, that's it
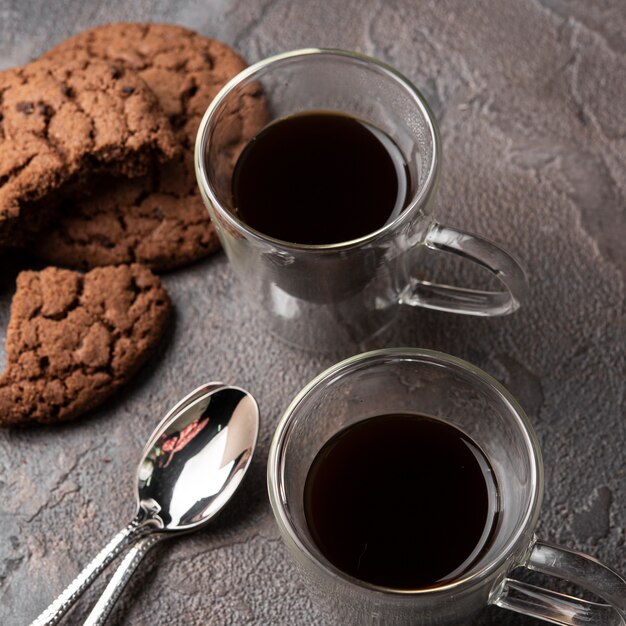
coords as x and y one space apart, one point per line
196 459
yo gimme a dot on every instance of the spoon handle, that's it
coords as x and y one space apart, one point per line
119 580
126 536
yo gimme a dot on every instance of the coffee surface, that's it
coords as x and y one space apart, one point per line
402 501
319 178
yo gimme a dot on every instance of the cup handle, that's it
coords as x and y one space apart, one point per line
470 301
557 608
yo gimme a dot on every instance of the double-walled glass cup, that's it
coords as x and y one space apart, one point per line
409 380
340 294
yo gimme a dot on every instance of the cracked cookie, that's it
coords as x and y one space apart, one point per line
74 338
61 121
159 219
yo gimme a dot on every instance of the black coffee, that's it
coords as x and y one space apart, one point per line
401 501
319 178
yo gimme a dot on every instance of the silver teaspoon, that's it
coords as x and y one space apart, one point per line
191 466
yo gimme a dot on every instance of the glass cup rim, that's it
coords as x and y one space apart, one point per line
417 201
275 470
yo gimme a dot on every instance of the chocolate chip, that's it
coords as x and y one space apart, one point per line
127 90
115 72
178 121
208 59
104 241
45 109
25 107
67 91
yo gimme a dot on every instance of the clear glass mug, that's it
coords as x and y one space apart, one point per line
410 380
343 293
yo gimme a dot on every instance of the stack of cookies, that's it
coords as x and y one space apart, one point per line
96 171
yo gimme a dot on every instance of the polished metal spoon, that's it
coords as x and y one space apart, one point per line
191 466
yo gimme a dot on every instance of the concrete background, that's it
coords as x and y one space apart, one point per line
531 96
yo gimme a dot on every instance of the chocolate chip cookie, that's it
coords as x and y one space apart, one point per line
73 339
61 121
159 219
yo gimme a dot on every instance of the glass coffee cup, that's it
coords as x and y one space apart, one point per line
340 294
407 380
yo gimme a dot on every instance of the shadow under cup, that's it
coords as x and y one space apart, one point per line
396 381
324 295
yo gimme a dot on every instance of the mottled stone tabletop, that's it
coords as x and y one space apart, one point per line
531 97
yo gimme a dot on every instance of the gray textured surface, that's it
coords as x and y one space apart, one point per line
530 95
